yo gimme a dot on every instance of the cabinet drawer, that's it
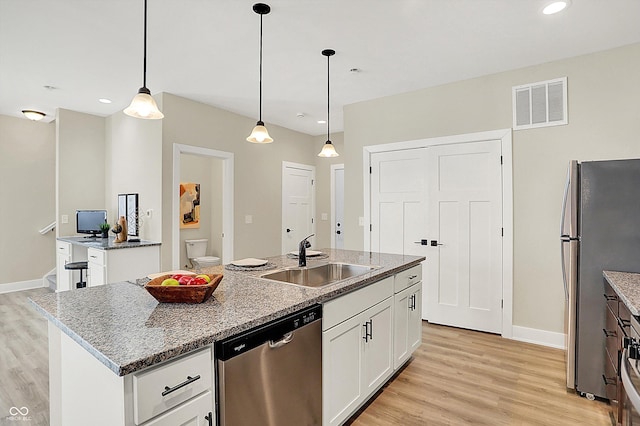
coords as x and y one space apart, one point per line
611 338
161 388
611 381
408 278
63 248
96 256
344 307
611 297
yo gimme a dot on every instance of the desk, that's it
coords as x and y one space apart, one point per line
109 262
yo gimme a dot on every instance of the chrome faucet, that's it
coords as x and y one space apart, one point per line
302 251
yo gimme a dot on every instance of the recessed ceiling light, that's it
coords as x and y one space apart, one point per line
555 7
104 100
322 121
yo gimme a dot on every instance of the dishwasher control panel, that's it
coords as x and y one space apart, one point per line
272 331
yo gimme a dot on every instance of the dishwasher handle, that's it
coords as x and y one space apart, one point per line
280 343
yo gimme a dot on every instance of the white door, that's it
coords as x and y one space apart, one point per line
297 204
464 271
337 206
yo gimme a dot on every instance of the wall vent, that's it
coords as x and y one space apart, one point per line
540 104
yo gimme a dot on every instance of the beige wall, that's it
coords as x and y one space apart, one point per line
258 169
323 187
80 166
206 171
133 158
604 123
27 191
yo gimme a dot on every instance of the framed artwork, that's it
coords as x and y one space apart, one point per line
128 207
189 205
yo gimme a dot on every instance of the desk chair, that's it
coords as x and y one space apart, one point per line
81 266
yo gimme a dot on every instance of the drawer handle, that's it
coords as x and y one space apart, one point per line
625 323
608 333
168 390
609 380
412 277
93 257
607 297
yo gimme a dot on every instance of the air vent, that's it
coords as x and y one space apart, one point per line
540 104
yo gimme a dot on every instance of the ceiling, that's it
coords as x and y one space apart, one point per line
207 50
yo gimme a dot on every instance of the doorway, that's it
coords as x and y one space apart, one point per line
298 204
409 196
226 160
337 206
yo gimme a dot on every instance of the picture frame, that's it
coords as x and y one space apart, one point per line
129 208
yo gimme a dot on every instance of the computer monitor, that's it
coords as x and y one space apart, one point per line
89 221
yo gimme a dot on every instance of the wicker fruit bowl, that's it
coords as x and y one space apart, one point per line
182 293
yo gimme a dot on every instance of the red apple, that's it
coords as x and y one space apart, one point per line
176 276
197 281
185 279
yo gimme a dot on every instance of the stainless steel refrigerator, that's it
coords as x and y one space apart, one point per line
600 230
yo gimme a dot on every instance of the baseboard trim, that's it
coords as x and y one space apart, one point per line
21 285
538 337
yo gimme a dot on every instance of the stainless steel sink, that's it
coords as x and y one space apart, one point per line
320 275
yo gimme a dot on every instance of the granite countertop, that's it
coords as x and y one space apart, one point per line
627 287
126 329
106 243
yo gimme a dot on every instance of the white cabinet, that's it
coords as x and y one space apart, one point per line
63 256
357 348
180 391
195 412
97 268
407 323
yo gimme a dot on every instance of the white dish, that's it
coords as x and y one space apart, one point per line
159 274
309 253
250 261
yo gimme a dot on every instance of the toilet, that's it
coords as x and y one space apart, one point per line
196 250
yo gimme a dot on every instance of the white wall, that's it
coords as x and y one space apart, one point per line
604 123
133 164
258 169
27 191
80 166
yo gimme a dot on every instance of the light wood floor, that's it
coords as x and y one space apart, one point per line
457 377
462 377
24 359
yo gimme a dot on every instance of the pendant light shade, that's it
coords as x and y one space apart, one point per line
328 149
143 105
260 133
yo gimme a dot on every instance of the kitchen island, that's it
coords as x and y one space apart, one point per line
106 335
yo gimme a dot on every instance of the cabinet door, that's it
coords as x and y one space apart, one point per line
378 346
414 334
63 276
341 370
401 327
195 412
97 274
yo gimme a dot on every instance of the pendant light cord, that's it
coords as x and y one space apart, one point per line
144 60
260 114
328 77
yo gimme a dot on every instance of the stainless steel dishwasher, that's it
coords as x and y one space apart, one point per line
272 375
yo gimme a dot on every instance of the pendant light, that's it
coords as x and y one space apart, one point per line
143 105
328 150
260 133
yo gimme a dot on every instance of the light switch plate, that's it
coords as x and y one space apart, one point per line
361 221
248 218
65 218
324 216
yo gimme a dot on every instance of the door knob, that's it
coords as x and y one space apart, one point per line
422 242
435 243
338 224
289 230
338 232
